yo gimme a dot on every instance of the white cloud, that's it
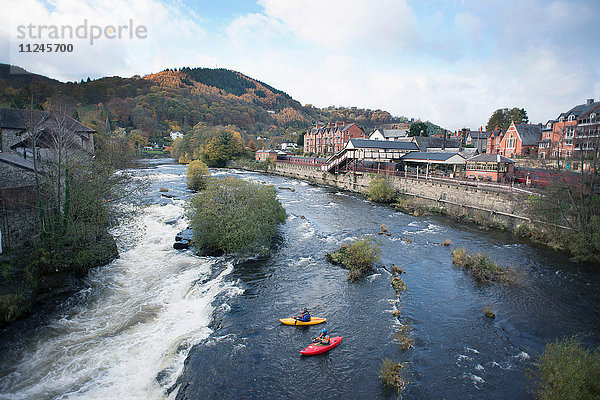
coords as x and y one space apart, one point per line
341 24
171 32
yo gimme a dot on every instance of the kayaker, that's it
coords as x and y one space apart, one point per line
304 316
322 338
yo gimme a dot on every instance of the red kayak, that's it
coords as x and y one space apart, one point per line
320 348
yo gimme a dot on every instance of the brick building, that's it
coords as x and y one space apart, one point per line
521 140
330 138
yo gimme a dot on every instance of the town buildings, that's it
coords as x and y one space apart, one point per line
574 133
520 140
330 138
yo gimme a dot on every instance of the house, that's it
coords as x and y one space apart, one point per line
15 135
330 138
493 141
373 152
265 155
575 131
490 167
546 146
521 140
288 146
175 135
446 164
388 134
477 139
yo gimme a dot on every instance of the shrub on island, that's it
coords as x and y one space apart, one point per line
234 216
359 257
197 175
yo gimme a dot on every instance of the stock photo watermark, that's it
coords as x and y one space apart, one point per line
38 38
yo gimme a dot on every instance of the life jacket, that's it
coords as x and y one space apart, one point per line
305 317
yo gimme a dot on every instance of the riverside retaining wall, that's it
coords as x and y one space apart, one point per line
484 206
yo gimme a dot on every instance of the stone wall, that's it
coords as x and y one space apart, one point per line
485 206
18 214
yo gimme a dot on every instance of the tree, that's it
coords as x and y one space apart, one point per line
235 216
503 117
418 129
197 175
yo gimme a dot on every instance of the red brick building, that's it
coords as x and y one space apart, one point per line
264 155
493 141
330 138
520 140
490 167
573 131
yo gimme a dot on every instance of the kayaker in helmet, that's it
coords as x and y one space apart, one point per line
304 315
322 339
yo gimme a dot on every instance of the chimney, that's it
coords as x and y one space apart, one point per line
590 102
444 140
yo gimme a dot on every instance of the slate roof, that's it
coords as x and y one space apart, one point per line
530 134
580 109
418 155
16 161
491 158
389 133
426 142
11 118
383 144
478 135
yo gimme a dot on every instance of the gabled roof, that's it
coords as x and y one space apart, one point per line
381 144
490 158
530 134
478 134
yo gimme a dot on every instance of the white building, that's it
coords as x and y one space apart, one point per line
176 135
388 134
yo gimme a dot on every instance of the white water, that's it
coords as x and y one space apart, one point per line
131 335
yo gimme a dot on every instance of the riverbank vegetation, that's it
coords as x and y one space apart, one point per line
74 201
567 370
358 257
381 191
197 175
234 216
482 267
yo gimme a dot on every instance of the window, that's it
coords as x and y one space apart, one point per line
571 117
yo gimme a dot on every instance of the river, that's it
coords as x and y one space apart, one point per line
160 323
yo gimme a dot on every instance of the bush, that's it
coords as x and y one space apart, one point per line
567 370
390 374
234 216
381 191
482 267
197 175
358 257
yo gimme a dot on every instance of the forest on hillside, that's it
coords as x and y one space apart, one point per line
149 108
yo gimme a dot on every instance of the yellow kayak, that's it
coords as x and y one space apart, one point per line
293 321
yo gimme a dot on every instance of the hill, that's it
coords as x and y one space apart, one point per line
179 99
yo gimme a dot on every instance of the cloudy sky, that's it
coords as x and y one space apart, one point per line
450 62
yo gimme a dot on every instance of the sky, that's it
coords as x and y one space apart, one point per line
451 62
